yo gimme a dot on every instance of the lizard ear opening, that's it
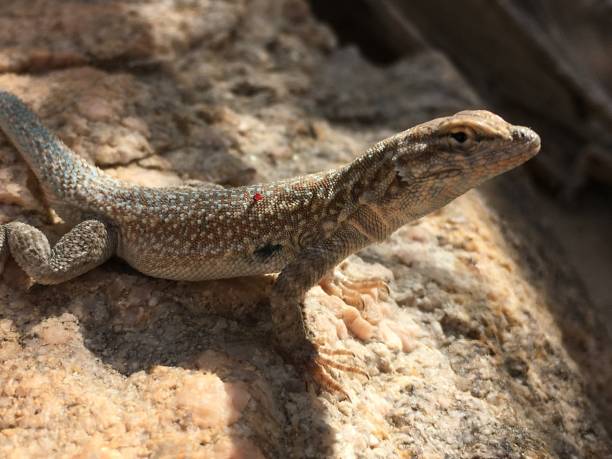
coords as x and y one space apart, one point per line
403 175
402 169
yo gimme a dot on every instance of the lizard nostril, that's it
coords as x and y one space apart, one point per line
521 134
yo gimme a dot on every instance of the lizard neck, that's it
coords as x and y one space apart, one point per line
361 186
382 198
367 178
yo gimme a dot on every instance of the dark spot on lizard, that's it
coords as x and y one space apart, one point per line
266 251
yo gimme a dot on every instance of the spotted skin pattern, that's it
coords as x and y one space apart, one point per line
301 227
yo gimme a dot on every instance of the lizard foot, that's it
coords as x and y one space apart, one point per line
352 292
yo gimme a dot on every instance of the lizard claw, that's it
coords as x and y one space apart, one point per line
318 367
346 352
327 382
340 366
321 349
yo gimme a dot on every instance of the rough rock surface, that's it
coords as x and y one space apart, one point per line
481 347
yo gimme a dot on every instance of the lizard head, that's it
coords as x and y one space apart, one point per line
443 158
472 145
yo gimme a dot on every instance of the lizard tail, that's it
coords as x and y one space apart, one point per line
63 175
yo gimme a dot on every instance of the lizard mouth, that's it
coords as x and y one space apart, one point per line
447 172
527 151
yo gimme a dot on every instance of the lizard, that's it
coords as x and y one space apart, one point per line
299 227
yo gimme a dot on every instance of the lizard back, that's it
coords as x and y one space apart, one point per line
207 232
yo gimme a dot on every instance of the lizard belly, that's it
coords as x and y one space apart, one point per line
196 266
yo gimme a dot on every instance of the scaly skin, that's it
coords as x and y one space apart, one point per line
301 227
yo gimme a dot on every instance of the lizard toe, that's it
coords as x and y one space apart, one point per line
316 363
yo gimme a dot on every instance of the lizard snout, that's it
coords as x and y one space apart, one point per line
525 136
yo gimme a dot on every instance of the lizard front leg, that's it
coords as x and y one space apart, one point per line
87 245
293 336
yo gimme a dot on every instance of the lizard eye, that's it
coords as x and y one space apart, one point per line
463 136
459 136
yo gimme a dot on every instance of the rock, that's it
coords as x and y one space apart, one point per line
454 317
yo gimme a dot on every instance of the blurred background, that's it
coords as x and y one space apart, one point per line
544 63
